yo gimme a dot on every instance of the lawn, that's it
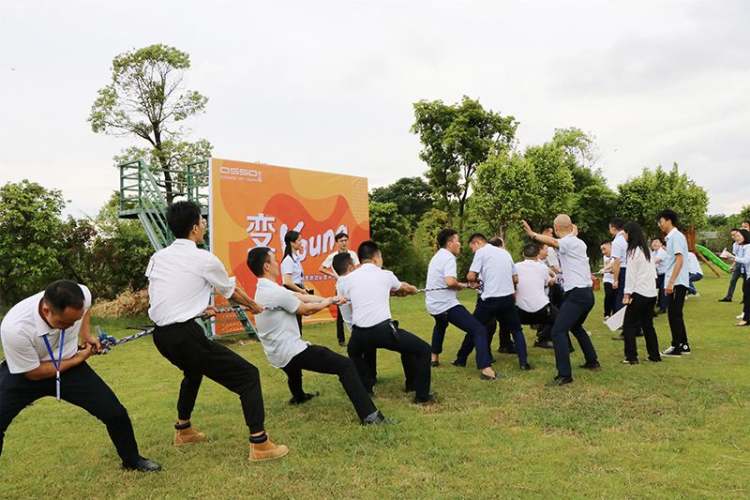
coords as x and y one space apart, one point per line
673 429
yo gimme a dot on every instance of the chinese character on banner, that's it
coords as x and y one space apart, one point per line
261 229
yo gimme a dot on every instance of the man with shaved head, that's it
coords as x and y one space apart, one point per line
579 296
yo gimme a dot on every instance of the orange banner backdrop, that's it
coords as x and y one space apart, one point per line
254 204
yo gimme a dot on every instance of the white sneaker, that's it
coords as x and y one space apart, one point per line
739 316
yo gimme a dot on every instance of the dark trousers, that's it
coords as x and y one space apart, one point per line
736 274
575 309
663 299
415 354
506 343
80 386
639 316
340 326
620 290
322 360
609 299
746 299
674 314
186 346
503 310
556 295
459 317
694 277
544 317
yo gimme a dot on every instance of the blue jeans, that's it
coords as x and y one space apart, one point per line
693 277
575 308
502 309
459 317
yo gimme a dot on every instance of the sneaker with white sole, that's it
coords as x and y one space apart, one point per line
672 351
685 349
740 316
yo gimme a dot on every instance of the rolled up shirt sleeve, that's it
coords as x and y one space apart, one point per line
215 273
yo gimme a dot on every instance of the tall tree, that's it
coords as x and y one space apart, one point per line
412 196
391 231
641 198
146 99
456 139
29 225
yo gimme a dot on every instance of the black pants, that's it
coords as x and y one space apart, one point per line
575 309
736 274
556 295
339 326
463 320
620 290
502 310
322 360
544 317
639 316
80 386
506 342
663 299
415 354
746 299
674 313
186 346
609 299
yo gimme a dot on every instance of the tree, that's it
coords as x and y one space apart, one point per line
146 99
506 190
30 228
642 198
425 236
456 139
412 196
554 180
391 231
745 214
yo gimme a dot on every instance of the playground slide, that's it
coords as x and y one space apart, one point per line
713 258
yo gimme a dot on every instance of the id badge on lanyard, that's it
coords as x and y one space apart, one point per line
56 363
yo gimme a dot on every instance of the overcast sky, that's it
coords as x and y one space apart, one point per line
329 85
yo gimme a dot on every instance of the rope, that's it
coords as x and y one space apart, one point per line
424 290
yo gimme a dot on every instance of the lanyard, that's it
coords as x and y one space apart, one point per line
57 364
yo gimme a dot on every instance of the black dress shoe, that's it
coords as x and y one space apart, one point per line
526 367
459 363
595 366
430 400
142 465
507 349
409 388
544 344
303 399
435 364
376 418
560 381
725 299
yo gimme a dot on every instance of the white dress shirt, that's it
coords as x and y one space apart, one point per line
694 266
497 269
607 276
641 275
328 262
23 329
278 330
620 249
660 259
574 263
369 288
531 294
180 280
344 309
442 265
677 245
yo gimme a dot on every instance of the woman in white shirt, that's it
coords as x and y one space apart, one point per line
742 258
292 275
640 296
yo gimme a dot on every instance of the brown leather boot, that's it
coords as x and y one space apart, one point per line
267 451
188 436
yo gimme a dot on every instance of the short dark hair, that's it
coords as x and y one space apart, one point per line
62 294
367 250
605 242
182 216
496 241
668 214
257 258
340 235
341 262
746 235
746 222
530 250
617 222
657 239
444 236
477 236
548 226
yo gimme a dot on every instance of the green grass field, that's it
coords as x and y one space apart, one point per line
674 429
